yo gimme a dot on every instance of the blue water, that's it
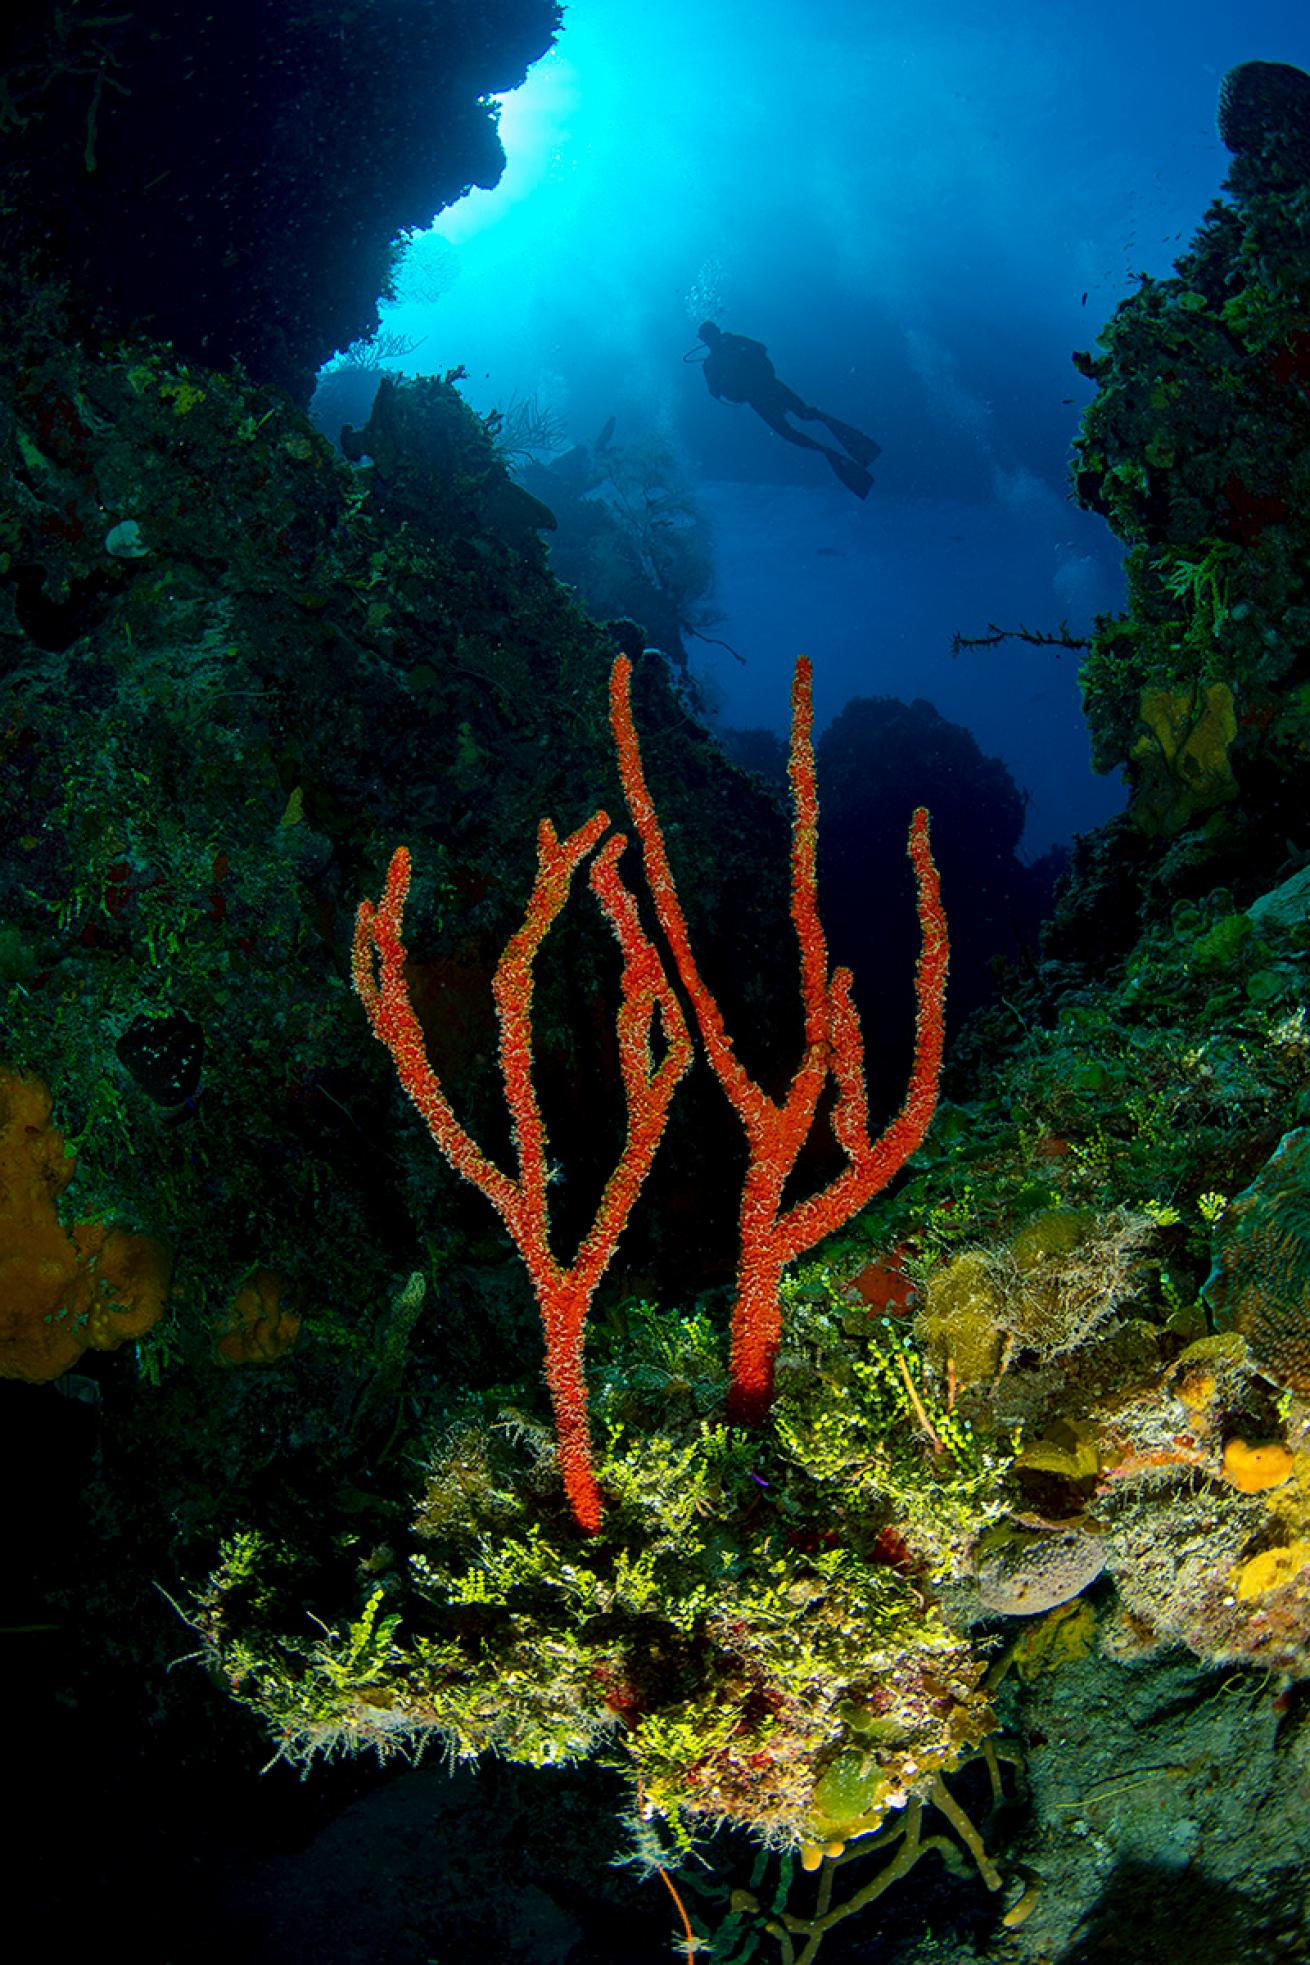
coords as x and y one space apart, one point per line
922 212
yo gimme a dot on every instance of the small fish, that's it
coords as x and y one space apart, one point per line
77 1385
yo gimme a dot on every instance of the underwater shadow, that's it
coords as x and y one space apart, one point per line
1152 1915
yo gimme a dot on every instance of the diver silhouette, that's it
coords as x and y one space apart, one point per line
738 370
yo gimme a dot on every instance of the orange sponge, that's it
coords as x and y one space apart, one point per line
61 1294
1255 1468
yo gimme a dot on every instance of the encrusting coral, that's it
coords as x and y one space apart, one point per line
260 1325
1060 1277
1260 1283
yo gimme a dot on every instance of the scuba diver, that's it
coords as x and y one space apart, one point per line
738 370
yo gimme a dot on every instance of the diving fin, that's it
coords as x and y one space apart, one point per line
853 476
863 449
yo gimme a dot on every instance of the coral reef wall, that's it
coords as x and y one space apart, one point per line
1197 452
233 180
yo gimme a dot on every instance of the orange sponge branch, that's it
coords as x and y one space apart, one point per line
771 1235
564 1292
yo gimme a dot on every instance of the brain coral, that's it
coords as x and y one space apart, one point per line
1260 1283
